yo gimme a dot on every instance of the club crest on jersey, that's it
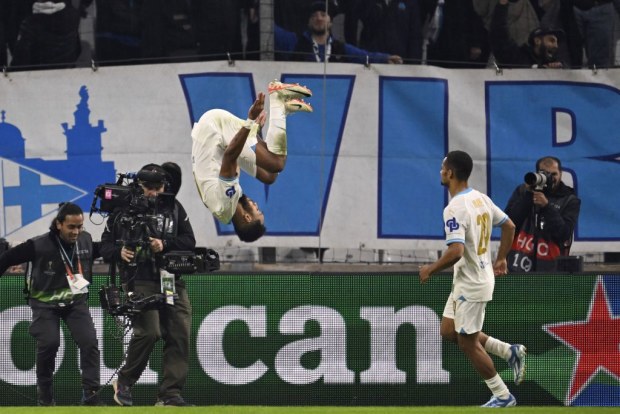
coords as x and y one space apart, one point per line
452 224
230 192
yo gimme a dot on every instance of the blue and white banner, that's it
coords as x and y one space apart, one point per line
363 168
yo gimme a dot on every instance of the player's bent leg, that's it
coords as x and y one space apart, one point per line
446 330
267 160
480 359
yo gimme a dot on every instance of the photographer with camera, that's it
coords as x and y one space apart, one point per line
56 287
136 238
545 211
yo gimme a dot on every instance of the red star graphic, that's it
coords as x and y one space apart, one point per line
595 340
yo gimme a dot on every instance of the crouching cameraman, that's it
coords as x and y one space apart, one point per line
545 212
138 255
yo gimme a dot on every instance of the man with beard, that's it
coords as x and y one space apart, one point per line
224 143
540 51
545 215
145 237
317 44
469 218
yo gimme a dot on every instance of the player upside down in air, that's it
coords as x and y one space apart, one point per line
223 144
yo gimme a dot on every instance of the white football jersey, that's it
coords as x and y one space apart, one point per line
210 138
468 219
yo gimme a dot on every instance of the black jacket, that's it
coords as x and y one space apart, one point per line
49 39
554 232
134 230
46 274
506 51
395 29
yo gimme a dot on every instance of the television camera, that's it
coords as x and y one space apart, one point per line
128 196
137 218
201 260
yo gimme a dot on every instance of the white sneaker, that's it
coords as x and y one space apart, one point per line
297 105
517 362
289 90
497 402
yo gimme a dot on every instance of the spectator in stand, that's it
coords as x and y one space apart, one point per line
318 44
541 50
218 28
521 18
455 36
252 47
12 13
290 15
49 38
596 21
5 20
391 26
167 30
118 30
559 14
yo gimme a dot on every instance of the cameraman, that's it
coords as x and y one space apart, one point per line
545 219
141 275
59 271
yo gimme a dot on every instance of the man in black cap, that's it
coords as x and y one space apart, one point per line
541 50
140 265
318 44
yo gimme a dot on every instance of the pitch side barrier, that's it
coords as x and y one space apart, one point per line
349 339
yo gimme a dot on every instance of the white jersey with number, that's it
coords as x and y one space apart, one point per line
468 219
210 138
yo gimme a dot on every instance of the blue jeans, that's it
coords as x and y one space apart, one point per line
597 27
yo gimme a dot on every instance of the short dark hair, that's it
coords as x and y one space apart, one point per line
460 163
543 31
65 209
548 158
249 232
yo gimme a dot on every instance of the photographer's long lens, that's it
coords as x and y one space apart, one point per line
532 179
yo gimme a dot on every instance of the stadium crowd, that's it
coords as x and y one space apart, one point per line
38 34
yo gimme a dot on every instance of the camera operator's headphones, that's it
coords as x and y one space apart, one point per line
152 173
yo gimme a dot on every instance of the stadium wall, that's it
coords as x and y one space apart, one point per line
348 339
369 152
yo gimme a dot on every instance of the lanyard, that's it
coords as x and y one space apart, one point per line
328 50
68 261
